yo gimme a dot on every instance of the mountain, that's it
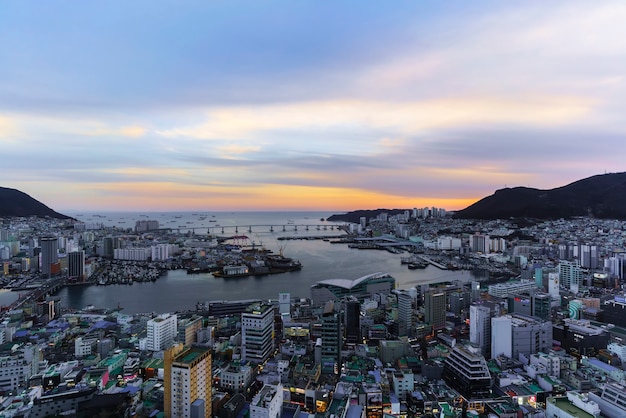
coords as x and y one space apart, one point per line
14 203
600 196
355 216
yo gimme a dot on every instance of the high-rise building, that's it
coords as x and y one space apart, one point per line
435 308
257 333
589 256
570 274
161 332
405 313
512 335
480 243
49 254
353 321
187 380
76 265
480 326
466 371
332 340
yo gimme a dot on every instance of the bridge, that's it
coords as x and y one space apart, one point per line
235 229
47 288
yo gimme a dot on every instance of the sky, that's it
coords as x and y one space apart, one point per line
306 105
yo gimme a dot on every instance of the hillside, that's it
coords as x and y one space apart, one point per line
600 196
14 203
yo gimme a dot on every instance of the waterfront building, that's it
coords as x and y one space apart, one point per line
512 335
109 244
257 333
161 332
187 378
361 288
466 371
146 225
49 255
479 243
132 254
76 265
435 309
162 252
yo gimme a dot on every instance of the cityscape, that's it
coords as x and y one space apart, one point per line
307 209
540 333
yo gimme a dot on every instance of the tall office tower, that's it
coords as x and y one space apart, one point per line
466 371
188 382
76 265
353 321
553 285
513 335
479 243
435 308
331 339
405 313
187 330
49 254
257 333
480 326
570 274
161 332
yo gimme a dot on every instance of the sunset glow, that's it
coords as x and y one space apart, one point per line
306 106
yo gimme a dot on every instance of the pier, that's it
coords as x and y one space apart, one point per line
433 262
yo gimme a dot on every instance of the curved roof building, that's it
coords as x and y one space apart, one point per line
361 288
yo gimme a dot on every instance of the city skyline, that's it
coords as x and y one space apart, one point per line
306 106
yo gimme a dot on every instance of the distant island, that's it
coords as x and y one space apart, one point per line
355 216
14 203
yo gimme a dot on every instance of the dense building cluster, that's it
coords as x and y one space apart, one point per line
549 342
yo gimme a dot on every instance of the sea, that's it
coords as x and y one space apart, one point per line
178 291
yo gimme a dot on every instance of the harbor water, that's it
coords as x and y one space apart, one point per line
321 260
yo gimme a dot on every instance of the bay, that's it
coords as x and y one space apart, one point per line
321 260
